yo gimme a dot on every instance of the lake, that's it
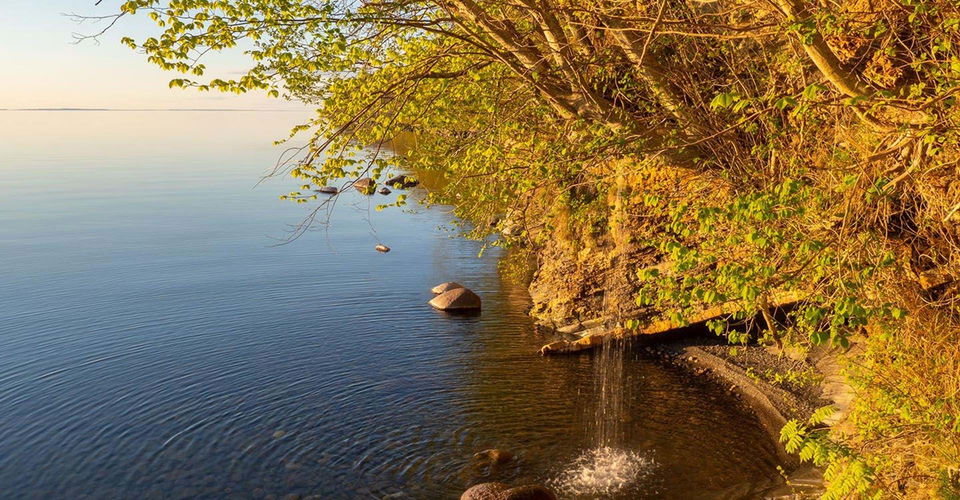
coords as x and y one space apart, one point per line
158 343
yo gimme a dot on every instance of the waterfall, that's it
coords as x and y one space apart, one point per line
609 467
609 381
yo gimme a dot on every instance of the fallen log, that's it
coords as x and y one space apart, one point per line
596 336
590 335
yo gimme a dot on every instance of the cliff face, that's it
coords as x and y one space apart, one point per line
576 276
586 267
568 285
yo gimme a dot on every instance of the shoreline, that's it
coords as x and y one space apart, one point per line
739 371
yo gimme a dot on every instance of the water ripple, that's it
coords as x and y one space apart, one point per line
155 344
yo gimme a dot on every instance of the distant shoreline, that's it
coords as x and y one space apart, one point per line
157 109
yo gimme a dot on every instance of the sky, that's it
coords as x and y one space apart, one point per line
42 67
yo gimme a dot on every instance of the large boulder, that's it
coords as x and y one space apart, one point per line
458 299
500 491
365 185
445 287
402 182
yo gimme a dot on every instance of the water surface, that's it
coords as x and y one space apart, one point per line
156 344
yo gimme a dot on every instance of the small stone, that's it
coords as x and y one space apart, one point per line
494 455
382 248
385 190
529 492
445 287
279 434
458 299
328 190
500 491
365 185
402 182
485 491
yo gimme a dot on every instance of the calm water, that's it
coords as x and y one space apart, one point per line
156 345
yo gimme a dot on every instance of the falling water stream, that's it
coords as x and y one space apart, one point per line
609 467
612 391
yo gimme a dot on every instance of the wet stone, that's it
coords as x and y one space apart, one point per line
459 299
445 287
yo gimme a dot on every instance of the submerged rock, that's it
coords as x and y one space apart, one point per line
382 248
494 455
385 190
500 491
445 287
328 190
365 185
402 181
458 299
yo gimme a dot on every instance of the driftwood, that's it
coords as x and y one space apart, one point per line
594 337
593 333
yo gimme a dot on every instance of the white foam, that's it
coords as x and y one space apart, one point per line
602 471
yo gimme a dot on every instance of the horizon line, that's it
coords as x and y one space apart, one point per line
150 109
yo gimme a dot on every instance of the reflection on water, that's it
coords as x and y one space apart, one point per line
157 346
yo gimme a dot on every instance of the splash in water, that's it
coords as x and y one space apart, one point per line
608 468
602 471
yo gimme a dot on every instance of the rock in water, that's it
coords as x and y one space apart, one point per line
402 182
485 491
445 287
384 190
458 299
365 185
382 248
500 491
529 492
494 455
328 190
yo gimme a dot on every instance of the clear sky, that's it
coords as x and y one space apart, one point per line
41 67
